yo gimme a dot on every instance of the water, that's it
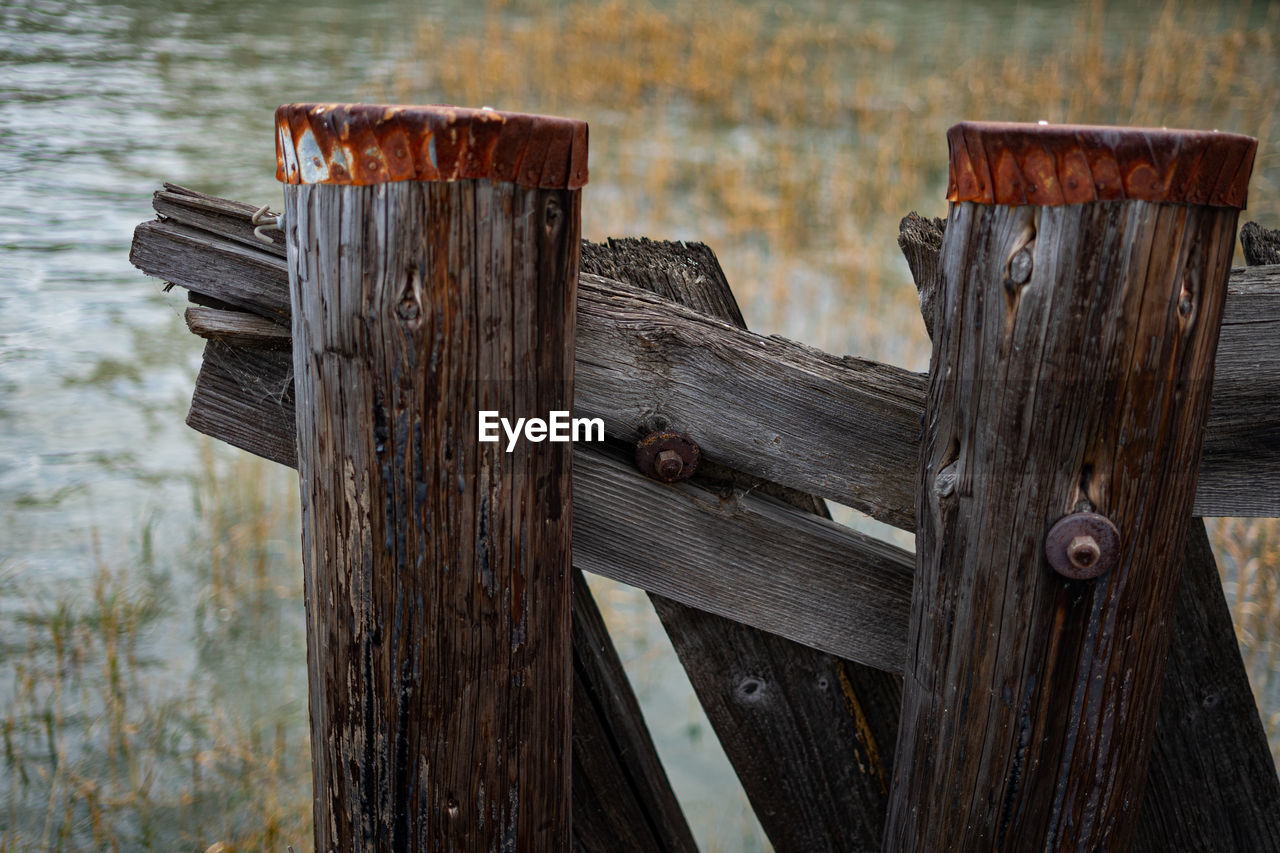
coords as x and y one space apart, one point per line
152 673
103 486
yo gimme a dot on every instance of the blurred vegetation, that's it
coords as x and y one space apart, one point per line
1248 552
790 141
111 740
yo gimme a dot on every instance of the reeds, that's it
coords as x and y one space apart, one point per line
114 737
1248 552
793 143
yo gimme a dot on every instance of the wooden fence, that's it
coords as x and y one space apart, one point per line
794 630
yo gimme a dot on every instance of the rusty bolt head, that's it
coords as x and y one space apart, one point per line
1082 545
667 456
668 464
1083 552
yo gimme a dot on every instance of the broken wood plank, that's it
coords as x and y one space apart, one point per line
1261 245
244 396
233 272
685 273
226 218
920 240
238 327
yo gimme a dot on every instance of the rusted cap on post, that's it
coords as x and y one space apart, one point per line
374 144
1051 164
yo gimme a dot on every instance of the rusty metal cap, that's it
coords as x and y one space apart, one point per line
374 144
1050 164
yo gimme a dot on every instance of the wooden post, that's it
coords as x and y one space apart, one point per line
1083 276
1211 782
433 262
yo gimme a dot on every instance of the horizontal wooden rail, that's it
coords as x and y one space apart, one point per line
243 397
721 556
840 428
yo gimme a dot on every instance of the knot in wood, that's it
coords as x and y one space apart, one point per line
1082 545
1020 266
751 690
667 456
945 483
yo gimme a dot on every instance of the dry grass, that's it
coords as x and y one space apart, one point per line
1248 553
793 143
111 743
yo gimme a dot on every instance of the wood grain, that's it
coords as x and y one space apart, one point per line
436 567
244 396
829 568
781 411
1240 465
1252 304
244 407
810 735
1211 798
622 801
1219 798
1178 811
1212 786
239 327
230 271
1029 700
920 240
724 557
220 216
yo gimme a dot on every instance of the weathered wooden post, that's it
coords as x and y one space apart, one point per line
433 264
1083 277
